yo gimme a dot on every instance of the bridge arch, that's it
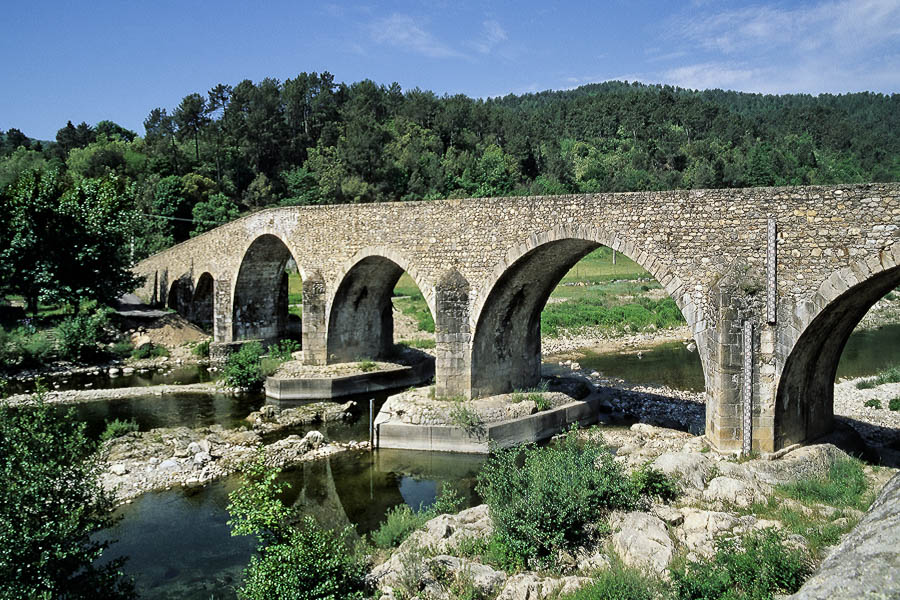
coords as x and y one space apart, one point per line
506 343
180 295
360 312
202 301
812 348
260 295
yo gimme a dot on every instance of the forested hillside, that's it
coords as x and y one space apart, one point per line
310 140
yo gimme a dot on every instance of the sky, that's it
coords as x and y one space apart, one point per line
119 59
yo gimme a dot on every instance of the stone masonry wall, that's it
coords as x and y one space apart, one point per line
708 248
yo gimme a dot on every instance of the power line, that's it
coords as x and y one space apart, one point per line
185 220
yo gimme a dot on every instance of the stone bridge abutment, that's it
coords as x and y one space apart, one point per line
770 281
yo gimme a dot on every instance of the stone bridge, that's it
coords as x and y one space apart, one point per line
771 282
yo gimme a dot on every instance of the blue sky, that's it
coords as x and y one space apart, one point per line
115 59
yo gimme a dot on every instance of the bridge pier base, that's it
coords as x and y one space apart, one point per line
315 337
222 311
453 347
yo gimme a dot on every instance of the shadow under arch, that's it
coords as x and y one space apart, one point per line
360 315
804 401
506 345
180 296
260 301
202 302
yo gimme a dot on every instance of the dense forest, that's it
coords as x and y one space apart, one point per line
310 140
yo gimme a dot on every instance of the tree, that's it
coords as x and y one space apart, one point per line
296 562
217 210
190 117
52 505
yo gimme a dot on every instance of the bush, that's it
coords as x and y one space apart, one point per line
117 428
77 337
283 350
149 351
620 583
872 403
201 350
542 499
754 567
51 507
243 369
466 418
366 366
302 562
894 404
654 484
122 348
24 347
402 520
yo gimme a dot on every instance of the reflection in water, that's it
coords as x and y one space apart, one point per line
179 543
183 374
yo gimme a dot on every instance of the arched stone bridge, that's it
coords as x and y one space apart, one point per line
790 271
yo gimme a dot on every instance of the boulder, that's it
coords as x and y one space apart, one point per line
485 579
692 470
866 564
642 541
528 586
732 491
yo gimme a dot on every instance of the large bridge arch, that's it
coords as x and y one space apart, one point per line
506 340
260 295
812 348
360 312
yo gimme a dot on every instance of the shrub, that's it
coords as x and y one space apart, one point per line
122 348
52 505
754 567
542 499
25 346
843 485
654 484
117 428
402 520
466 418
202 349
4 384
894 404
872 403
242 369
283 350
620 583
302 562
366 365
149 351
77 337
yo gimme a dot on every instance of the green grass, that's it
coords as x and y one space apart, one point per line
843 486
872 403
416 307
892 375
601 312
422 344
597 266
620 583
295 288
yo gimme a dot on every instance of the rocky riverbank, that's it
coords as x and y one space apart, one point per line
719 498
76 396
141 462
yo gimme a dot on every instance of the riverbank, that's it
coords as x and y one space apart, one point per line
718 498
159 459
78 396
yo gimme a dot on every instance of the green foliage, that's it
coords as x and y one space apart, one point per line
654 484
620 583
596 311
117 428
149 351
421 343
201 350
366 365
872 403
243 368
122 348
843 485
894 404
542 499
294 561
217 210
283 350
402 520
755 567
78 337
891 375
416 307
52 505
821 531
25 347
467 418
